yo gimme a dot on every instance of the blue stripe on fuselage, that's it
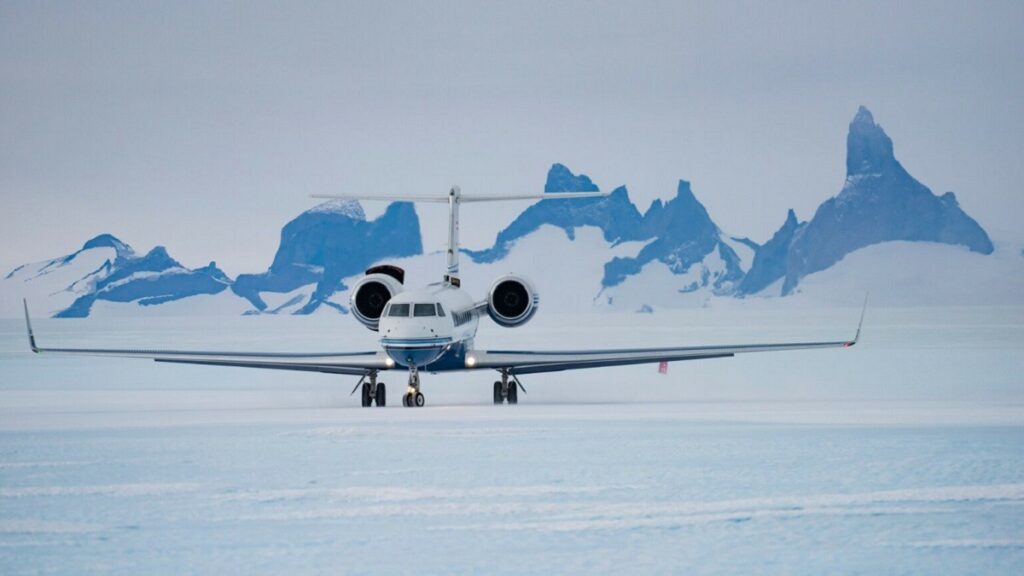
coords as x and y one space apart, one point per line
434 358
418 352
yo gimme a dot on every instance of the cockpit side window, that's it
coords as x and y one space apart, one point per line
440 311
423 310
399 310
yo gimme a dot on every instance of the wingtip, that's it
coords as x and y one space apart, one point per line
860 323
28 326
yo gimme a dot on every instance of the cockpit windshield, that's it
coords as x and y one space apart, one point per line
423 310
399 310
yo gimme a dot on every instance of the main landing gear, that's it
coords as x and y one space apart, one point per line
372 390
506 389
413 397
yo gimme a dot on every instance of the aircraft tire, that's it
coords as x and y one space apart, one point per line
366 395
420 400
513 393
382 395
497 393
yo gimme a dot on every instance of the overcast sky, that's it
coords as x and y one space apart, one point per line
203 127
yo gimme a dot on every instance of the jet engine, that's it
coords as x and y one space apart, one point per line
512 301
372 293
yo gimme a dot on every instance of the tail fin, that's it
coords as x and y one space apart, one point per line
453 199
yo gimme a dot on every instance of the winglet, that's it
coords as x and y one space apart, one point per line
28 325
856 337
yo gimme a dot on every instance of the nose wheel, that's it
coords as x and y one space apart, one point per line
413 397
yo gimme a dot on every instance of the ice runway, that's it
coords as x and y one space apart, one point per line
538 489
904 455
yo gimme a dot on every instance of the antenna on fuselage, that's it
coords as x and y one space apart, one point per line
454 198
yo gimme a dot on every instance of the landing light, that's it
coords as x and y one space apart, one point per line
389 362
470 361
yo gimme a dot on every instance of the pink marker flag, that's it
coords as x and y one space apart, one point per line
663 367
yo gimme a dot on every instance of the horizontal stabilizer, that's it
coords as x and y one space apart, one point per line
547 196
463 198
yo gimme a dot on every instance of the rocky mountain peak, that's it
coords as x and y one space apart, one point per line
108 241
868 148
561 179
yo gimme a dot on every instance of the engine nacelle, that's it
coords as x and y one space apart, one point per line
372 293
512 301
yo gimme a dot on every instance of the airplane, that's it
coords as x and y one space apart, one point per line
432 329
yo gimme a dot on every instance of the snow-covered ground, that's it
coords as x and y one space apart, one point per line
904 454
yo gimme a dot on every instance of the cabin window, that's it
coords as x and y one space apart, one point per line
423 310
399 310
440 311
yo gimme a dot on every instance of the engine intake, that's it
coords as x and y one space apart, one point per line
372 293
512 301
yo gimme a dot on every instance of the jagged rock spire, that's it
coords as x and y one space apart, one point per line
868 148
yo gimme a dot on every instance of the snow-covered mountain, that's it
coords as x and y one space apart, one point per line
880 202
106 269
322 247
615 215
679 235
884 231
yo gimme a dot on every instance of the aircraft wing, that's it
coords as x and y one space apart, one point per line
351 363
532 362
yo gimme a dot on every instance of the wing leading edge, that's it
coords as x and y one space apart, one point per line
351 363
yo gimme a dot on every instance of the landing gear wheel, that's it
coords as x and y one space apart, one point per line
497 393
513 393
406 400
382 395
366 395
420 400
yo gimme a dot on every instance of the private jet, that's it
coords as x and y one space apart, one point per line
432 329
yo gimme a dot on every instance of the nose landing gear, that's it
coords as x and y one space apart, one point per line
413 397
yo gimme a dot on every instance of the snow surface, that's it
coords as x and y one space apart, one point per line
287 302
658 287
225 303
744 252
901 455
344 207
919 273
50 283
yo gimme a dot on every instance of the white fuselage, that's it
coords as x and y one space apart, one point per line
420 327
